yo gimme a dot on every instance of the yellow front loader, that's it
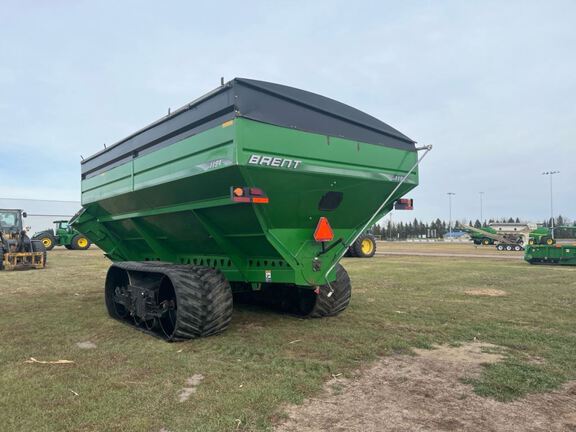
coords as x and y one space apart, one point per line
17 251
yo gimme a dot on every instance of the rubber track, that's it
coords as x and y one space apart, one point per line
203 297
329 306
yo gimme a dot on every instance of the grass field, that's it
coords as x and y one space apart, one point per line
244 377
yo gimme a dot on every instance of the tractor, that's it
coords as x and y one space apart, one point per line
63 235
17 250
363 247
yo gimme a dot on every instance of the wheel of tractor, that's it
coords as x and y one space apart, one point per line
48 240
500 247
531 241
550 241
485 242
69 247
181 301
477 242
365 246
79 242
38 246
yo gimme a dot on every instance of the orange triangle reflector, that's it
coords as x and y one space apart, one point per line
323 232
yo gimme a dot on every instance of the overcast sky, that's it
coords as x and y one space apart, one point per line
491 84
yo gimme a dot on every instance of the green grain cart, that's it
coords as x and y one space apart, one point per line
253 188
557 254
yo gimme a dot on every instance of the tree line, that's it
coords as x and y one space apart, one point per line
438 228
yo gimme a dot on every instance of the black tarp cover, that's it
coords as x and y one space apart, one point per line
256 100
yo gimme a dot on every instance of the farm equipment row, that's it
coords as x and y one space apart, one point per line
489 236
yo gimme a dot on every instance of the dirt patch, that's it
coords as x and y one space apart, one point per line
191 387
472 354
486 292
425 393
86 345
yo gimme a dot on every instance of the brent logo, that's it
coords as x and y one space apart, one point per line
275 162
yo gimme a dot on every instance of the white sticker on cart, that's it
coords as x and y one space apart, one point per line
275 162
268 275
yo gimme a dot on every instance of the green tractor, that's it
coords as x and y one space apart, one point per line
363 247
541 236
62 235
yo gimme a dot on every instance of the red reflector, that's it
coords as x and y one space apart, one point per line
404 204
240 199
256 191
323 232
260 200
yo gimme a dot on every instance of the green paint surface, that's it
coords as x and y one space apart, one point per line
174 204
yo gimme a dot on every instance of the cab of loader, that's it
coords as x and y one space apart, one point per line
11 221
17 250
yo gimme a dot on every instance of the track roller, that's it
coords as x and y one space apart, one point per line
174 302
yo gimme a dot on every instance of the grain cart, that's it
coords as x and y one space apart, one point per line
63 235
17 251
254 187
557 254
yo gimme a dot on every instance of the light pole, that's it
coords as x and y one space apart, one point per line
450 194
481 216
550 174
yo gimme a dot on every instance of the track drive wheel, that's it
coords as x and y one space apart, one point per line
307 301
334 298
80 242
365 246
174 302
